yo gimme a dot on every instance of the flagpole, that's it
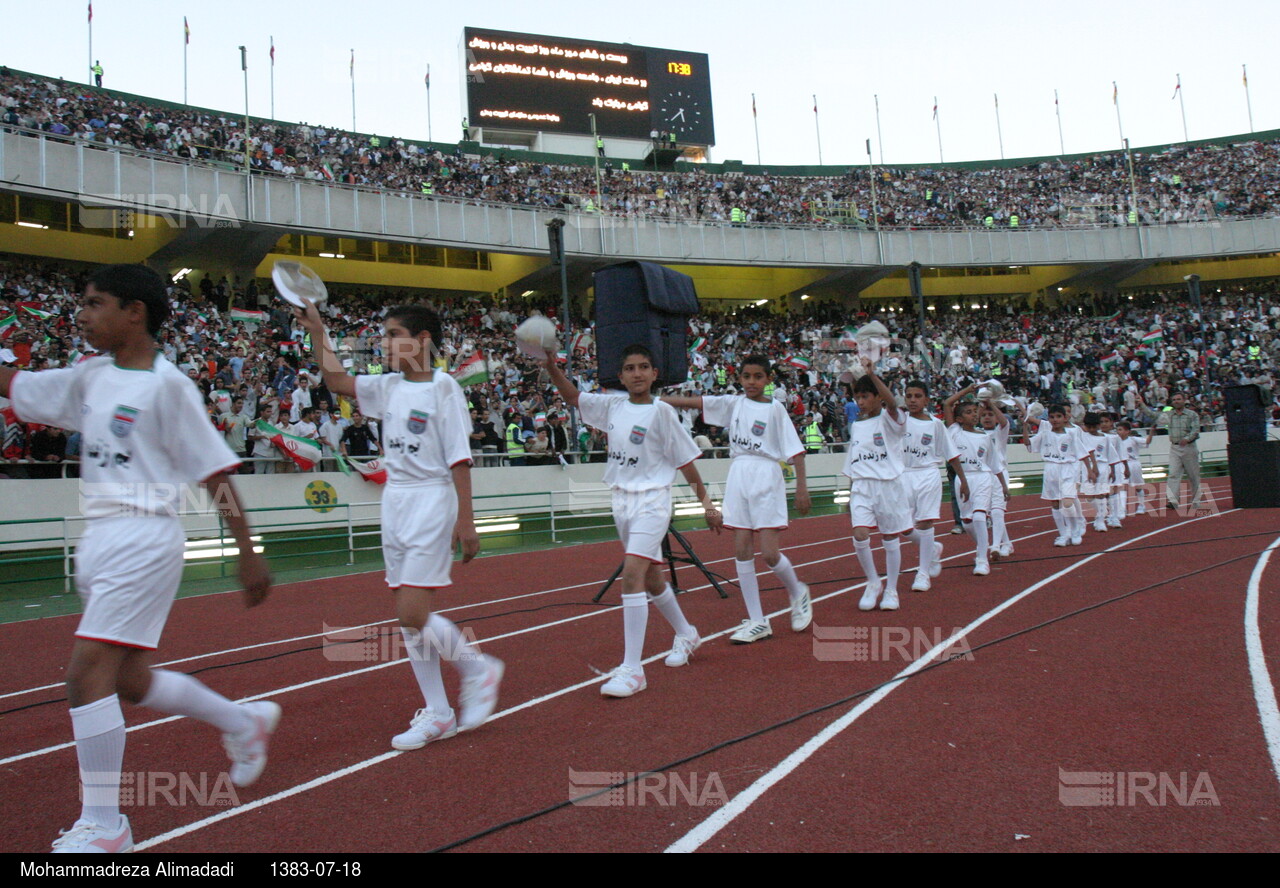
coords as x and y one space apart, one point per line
1243 68
186 39
1183 105
816 128
90 81
875 207
756 118
999 132
244 66
353 89
429 138
1057 109
879 136
273 77
1115 100
938 125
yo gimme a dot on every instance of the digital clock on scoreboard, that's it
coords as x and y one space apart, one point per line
555 84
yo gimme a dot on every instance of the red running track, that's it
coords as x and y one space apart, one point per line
962 757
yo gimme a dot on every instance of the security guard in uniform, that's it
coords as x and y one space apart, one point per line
515 440
813 439
1013 220
737 216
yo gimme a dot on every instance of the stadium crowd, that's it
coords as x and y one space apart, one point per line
1182 183
1127 351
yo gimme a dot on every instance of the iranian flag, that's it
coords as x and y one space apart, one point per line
1112 317
1039 343
303 451
37 313
371 471
800 363
327 171
1154 336
248 317
291 347
1009 347
1110 360
472 371
698 344
849 338
8 325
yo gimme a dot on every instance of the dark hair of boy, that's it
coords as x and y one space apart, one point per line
417 318
918 384
1091 420
1125 424
637 349
756 361
135 283
864 384
1059 409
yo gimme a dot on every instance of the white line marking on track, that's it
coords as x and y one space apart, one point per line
1263 690
725 815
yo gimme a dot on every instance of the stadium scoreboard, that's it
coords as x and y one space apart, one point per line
554 84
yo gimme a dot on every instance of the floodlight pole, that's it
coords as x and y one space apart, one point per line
555 241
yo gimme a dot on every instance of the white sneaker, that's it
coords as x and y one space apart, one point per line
802 611
1140 511
890 601
870 596
935 567
1114 522
623 682
751 631
479 695
682 649
249 752
1099 527
425 727
957 530
1076 541
981 569
1062 542
86 837
921 583
1006 550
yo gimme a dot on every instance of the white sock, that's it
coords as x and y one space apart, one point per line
787 574
923 537
180 694
1059 521
453 646
1100 509
749 583
868 561
99 731
1116 504
1140 497
424 657
1122 503
670 609
635 619
978 528
999 533
892 563
1077 515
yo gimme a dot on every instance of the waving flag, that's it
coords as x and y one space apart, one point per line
1111 360
1156 335
371 471
799 362
35 312
186 30
472 371
698 344
8 325
248 317
303 451
1009 347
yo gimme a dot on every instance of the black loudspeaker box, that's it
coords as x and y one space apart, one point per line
1255 474
646 304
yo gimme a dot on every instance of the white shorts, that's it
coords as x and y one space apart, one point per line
980 484
1061 481
1101 487
127 573
755 495
924 493
880 504
643 519
417 534
1135 473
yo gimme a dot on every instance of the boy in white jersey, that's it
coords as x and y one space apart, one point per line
972 446
146 437
926 447
647 445
1098 490
1131 447
426 510
996 425
761 437
1063 448
1115 500
877 496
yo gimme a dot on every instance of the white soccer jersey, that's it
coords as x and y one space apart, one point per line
755 428
1115 453
145 433
647 444
1131 447
875 447
1061 448
425 425
973 448
1100 446
926 444
998 455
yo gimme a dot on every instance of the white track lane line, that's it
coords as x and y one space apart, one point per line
1263 690
266 695
359 766
725 815
455 609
